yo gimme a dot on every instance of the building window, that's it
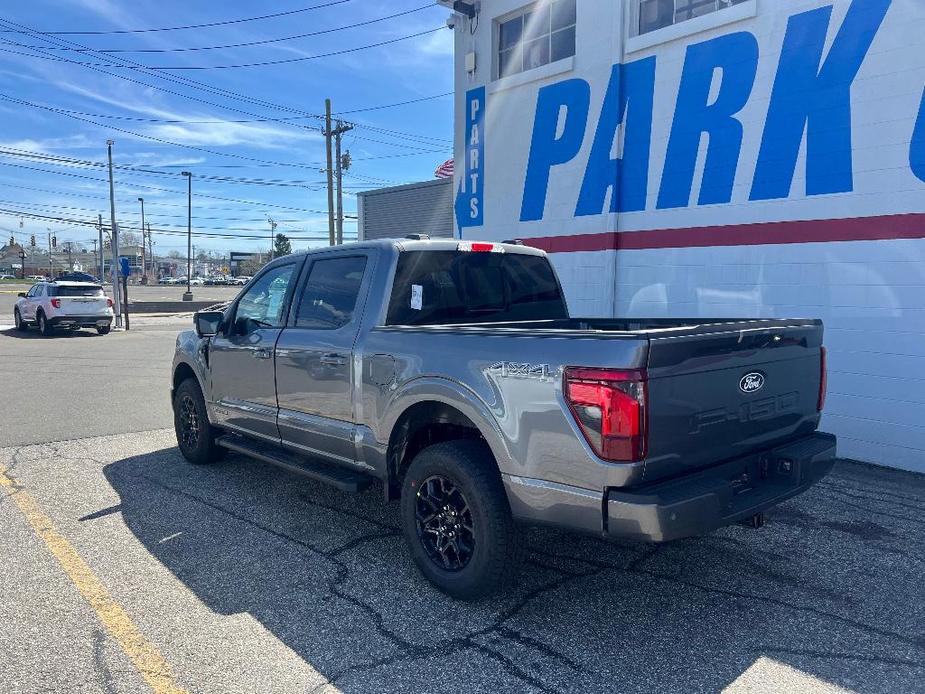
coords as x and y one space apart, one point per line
539 34
657 14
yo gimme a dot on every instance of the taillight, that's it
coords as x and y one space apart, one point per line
56 303
109 302
823 380
609 407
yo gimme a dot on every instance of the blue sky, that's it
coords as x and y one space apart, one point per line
282 143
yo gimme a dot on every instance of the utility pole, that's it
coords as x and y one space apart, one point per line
70 260
330 169
150 249
99 228
116 298
272 236
51 261
189 233
144 266
338 134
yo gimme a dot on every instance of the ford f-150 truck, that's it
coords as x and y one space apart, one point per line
451 372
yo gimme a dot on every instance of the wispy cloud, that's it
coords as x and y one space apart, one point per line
52 144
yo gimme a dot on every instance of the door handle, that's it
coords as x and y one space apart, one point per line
333 359
262 353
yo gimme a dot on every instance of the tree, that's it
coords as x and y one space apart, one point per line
282 246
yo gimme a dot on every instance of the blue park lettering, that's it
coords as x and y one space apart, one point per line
815 100
917 149
811 97
631 88
737 56
547 150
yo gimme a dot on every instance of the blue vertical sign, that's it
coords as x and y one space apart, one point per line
470 196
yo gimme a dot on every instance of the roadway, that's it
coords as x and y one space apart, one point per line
156 292
126 568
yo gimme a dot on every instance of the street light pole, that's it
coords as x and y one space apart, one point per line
189 234
117 299
144 265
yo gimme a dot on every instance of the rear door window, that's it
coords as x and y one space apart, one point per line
440 287
331 293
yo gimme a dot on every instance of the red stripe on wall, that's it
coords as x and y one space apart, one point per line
898 226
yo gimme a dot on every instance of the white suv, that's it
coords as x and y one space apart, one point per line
71 305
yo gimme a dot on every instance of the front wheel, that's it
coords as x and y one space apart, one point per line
103 329
457 521
195 435
18 321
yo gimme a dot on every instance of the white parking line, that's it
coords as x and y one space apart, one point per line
7 327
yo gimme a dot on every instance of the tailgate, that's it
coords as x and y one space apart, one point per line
83 306
721 391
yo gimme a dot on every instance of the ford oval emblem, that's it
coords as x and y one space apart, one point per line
752 383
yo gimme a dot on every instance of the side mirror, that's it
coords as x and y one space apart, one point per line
208 323
21 295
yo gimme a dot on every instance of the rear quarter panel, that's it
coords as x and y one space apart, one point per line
508 384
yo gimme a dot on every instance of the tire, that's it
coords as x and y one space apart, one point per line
103 329
44 328
482 548
189 412
18 321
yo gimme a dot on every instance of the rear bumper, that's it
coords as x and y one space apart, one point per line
681 507
709 499
79 321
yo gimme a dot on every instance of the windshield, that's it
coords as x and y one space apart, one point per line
439 287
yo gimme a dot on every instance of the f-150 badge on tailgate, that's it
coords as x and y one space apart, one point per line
752 383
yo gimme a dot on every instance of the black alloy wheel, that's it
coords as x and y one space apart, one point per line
444 523
188 429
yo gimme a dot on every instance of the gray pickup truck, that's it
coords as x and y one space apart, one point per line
451 372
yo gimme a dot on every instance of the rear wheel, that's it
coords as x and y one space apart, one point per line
18 321
457 521
44 327
195 435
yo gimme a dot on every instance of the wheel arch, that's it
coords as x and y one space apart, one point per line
432 411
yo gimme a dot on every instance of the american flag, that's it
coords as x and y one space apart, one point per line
445 170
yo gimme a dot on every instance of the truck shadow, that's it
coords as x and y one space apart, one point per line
830 590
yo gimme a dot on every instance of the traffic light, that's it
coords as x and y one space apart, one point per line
32 240
54 241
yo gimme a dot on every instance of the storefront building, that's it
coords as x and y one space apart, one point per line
717 158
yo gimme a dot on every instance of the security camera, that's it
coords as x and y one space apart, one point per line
451 21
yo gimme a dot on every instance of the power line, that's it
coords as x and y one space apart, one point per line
235 66
93 223
400 103
298 59
197 26
247 44
175 79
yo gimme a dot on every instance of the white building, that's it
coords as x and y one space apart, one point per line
717 158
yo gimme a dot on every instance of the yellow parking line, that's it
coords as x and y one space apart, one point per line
144 655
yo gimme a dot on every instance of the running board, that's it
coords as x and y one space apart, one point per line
340 478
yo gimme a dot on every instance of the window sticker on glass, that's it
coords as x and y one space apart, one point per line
417 296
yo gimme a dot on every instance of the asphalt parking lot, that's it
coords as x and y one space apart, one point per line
127 569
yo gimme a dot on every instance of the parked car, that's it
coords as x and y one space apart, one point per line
77 277
240 280
452 372
37 278
63 305
7 277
